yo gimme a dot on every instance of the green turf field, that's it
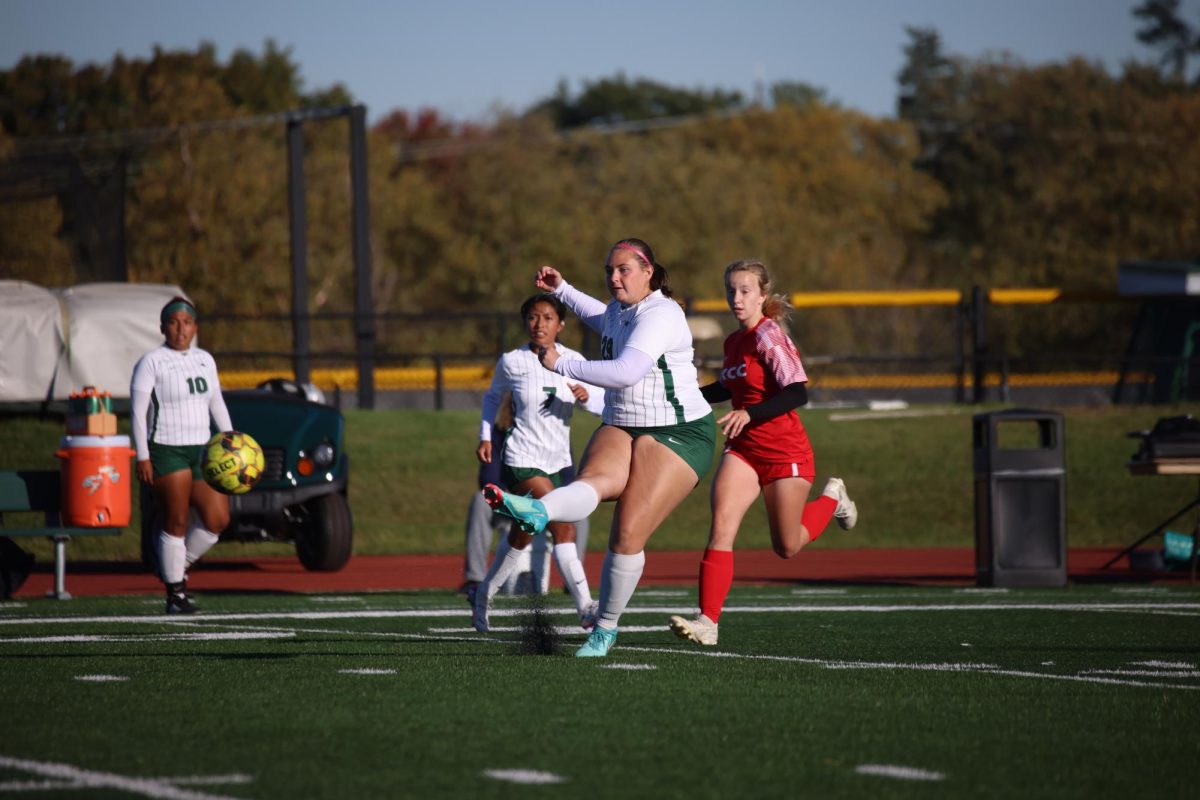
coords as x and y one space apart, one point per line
412 473
814 691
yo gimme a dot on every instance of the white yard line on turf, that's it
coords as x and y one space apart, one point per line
901 773
474 637
816 608
207 780
84 638
635 667
1151 673
833 664
531 776
562 630
1164 664
92 780
983 669
37 786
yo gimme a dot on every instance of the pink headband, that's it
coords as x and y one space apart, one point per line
635 251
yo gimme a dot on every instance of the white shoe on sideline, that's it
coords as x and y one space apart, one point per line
700 630
846 512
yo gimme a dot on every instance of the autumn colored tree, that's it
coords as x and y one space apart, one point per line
995 173
204 174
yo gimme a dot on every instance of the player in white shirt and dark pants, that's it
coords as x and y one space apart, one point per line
537 450
657 440
174 392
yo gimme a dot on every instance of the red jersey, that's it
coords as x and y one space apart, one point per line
758 363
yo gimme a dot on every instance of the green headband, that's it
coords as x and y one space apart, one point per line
178 305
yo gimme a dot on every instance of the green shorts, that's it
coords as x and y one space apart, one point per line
168 458
692 441
511 476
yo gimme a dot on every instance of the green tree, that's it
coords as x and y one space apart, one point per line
1053 175
615 100
798 94
1164 29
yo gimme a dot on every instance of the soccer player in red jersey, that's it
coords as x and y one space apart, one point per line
766 446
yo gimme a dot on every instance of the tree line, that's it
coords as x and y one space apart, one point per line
992 172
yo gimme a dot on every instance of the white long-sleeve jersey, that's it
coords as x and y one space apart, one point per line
667 394
173 394
542 408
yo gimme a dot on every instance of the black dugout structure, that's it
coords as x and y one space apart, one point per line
1020 499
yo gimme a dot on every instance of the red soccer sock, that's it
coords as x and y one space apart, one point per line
816 516
716 576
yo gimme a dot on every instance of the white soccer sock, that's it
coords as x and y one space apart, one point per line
198 542
566 556
571 503
505 561
172 557
620 578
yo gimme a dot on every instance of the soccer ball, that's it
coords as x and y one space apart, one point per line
233 462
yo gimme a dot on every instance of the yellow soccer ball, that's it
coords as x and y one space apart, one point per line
233 462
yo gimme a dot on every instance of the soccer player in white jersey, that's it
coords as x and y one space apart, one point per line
537 450
174 391
657 439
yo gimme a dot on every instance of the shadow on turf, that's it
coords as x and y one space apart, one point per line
537 634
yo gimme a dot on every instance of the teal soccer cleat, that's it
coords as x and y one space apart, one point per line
598 643
527 512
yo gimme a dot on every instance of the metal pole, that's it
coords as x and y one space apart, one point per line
960 366
60 569
364 308
978 343
298 221
439 384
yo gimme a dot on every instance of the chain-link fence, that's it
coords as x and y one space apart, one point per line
1014 346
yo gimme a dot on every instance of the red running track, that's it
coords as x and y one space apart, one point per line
879 566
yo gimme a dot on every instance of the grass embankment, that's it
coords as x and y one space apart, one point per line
412 473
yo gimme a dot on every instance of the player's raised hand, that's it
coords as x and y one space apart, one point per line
547 279
581 394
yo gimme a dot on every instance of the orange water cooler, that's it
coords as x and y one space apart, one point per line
97 477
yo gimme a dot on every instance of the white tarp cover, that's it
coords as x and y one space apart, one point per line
30 340
56 341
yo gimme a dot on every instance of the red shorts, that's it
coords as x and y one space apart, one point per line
773 471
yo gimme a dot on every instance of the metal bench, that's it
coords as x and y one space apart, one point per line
40 490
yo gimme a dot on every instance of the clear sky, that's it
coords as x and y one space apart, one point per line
467 58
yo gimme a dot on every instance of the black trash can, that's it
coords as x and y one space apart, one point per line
1020 499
